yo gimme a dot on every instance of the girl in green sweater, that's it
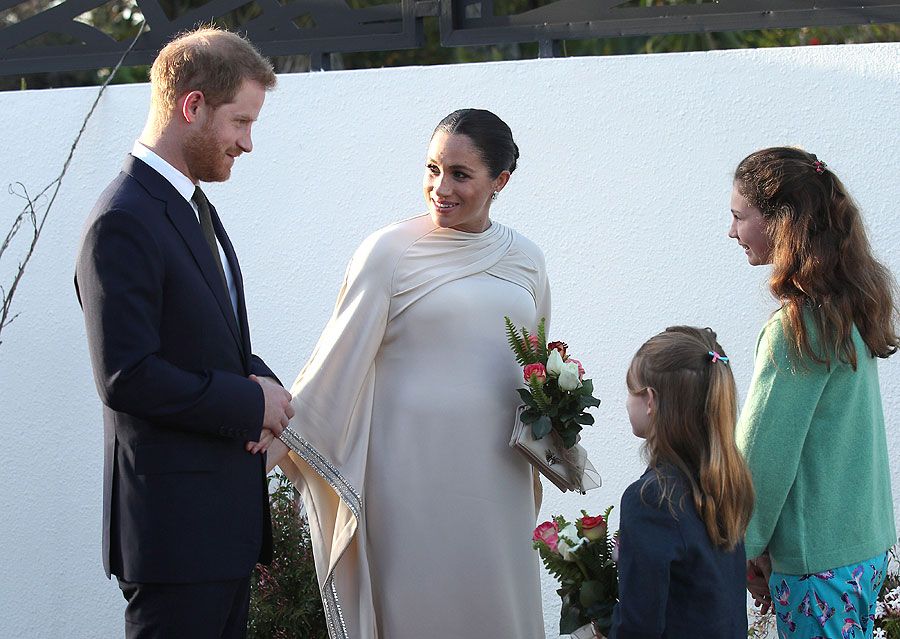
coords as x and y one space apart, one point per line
812 428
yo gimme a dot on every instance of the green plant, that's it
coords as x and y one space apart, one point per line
557 396
582 556
887 608
285 602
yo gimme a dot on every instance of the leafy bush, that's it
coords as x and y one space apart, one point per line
285 602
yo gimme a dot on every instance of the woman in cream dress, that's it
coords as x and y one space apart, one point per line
421 515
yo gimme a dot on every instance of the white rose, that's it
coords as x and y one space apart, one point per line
568 376
569 541
554 363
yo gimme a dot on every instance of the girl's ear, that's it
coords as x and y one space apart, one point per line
651 401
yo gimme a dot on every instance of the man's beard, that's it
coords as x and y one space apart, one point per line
204 159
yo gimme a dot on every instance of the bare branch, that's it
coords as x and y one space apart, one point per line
30 210
17 223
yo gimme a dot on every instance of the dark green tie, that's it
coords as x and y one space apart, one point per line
209 233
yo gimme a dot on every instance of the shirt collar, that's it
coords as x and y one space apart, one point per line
176 178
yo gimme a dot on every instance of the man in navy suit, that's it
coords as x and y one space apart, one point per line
187 408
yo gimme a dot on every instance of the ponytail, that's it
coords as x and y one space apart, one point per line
693 426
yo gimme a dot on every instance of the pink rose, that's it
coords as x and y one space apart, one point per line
537 371
580 367
547 533
593 528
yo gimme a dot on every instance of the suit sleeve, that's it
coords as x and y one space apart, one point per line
649 543
120 275
261 369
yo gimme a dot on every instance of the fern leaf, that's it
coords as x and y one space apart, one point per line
530 354
515 344
540 397
542 339
562 570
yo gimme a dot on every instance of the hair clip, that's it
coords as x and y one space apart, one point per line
819 166
715 357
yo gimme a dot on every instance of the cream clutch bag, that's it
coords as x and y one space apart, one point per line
568 469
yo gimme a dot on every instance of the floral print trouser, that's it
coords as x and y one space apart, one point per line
834 604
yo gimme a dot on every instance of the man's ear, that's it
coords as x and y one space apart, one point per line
191 105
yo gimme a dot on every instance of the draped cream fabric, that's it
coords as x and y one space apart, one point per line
421 515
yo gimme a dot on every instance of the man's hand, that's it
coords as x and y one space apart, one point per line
278 405
758 572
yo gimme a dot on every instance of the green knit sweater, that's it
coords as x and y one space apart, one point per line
816 446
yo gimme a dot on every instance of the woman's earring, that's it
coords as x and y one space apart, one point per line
495 195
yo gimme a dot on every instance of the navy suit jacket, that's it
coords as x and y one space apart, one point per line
182 499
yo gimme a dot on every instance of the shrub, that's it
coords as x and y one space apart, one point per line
285 602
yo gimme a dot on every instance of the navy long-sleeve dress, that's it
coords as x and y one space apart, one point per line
673 582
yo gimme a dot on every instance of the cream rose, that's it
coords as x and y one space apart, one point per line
569 542
554 363
568 376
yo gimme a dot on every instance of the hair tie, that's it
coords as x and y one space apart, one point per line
819 166
716 357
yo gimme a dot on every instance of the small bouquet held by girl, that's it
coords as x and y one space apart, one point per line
582 557
547 426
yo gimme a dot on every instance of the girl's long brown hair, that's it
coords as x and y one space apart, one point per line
822 261
692 427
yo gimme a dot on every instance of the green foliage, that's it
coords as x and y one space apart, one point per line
565 572
119 19
588 580
549 407
542 340
890 622
891 628
285 602
541 399
520 343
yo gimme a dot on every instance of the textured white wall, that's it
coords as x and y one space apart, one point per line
624 181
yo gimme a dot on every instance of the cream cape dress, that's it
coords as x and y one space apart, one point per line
421 515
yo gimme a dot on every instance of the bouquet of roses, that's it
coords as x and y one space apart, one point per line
582 557
557 394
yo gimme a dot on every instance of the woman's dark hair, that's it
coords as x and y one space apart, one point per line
821 258
490 135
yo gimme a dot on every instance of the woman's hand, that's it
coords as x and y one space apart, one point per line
277 451
758 572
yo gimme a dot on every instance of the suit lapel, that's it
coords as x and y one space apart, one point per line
185 222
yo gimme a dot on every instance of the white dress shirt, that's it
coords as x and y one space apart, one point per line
185 188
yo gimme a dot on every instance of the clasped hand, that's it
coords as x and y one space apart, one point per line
758 572
278 413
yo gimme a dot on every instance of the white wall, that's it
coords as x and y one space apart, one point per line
624 181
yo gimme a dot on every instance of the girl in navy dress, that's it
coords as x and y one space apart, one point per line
681 557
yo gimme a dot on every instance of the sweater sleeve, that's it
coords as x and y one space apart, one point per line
773 426
649 543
